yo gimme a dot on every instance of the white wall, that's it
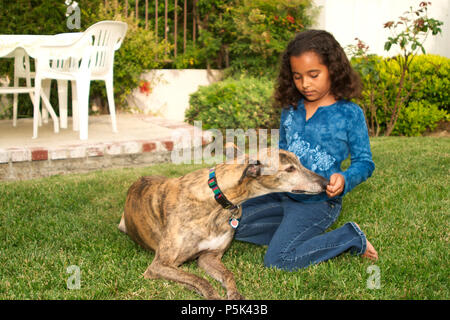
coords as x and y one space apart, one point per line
170 91
364 19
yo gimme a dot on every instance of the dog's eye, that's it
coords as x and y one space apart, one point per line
290 169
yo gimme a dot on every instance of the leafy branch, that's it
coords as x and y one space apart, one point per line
409 33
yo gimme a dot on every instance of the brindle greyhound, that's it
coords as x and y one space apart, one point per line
194 216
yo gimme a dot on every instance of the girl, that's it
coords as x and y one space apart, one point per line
321 128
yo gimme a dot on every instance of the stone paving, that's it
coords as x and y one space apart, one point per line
141 140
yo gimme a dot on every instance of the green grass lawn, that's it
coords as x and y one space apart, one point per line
47 225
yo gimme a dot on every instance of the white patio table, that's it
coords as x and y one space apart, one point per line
32 44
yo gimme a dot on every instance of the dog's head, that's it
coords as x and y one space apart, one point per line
277 170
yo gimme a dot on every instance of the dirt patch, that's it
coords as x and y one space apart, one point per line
441 130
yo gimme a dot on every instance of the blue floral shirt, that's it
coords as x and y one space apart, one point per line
325 140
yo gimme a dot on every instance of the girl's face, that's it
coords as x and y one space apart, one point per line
311 78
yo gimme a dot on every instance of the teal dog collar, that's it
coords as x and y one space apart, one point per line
222 200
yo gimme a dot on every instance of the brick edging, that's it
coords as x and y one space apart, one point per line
31 154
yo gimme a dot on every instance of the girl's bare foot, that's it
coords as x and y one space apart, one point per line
370 252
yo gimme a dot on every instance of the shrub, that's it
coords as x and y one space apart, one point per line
263 30
231 104
394 87
433 73
32 17
426 92
408 34
417 117
245 36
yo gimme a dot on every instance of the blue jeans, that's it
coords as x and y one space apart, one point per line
295 231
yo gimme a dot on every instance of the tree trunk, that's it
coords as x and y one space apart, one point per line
397 104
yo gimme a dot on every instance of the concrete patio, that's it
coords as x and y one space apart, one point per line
141 141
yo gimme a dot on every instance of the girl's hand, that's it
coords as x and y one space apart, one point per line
336 185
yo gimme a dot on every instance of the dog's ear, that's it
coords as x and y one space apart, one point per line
252 170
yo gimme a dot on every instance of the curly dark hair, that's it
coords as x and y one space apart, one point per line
345 82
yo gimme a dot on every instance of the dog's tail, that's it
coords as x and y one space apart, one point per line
122 227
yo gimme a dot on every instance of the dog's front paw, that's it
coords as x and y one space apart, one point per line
235 296
148 274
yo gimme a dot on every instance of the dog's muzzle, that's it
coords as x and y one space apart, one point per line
323 187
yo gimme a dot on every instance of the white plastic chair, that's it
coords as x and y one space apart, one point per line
91 57
22 70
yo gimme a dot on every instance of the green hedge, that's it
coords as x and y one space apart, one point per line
435 72
427 103
234 104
